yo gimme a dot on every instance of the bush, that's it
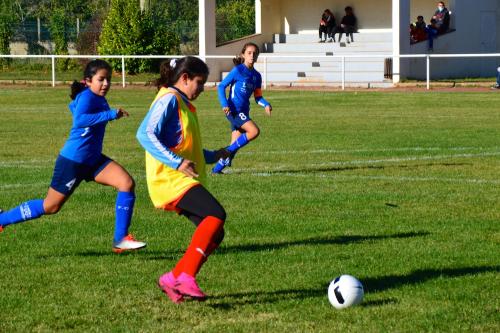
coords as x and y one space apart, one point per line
128 31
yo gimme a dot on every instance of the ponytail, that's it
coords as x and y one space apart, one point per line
171 70
76 88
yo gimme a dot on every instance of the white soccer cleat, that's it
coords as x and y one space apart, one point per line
128 243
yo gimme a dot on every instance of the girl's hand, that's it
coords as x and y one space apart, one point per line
187 167
226 110
121 113
268 109
222 153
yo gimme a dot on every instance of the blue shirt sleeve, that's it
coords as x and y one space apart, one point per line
82 115
149 133
228 80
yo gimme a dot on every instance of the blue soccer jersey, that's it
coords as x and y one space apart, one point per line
243 83
91 114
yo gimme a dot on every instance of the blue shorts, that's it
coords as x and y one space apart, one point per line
237 119
69 174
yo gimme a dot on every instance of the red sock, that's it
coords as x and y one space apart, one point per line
200 247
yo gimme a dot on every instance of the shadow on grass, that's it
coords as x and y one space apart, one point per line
174 254
324 240
372 285
422 275
351 168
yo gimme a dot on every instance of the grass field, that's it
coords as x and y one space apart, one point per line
400 189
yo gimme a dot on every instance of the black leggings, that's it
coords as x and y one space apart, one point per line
197 204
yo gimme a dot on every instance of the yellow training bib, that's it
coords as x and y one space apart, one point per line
167 185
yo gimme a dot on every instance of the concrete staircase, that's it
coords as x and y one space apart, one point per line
298 71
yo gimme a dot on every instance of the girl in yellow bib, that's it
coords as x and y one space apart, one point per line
175 169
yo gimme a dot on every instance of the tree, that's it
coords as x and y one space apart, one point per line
8 20
234 19
127 30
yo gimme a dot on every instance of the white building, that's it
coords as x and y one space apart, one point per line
383 27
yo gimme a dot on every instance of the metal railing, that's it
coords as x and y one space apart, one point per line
263 57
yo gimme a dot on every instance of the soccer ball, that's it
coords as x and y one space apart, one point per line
345 291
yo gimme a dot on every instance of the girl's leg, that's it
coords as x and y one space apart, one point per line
205 211
249 131
498 77
113 174
33 209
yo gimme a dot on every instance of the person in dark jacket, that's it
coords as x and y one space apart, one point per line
442 17
348 24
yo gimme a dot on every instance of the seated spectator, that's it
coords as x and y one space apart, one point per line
413 34
432 32
348 24
417 30
331 26
420 23
322 27
327 26
442 17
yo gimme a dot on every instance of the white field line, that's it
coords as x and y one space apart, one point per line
30 163
368 162
384 178
347 151
268 171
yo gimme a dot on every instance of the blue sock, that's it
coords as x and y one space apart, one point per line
124 210
26 211
219 166
239 143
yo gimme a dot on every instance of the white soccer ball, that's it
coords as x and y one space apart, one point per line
345 291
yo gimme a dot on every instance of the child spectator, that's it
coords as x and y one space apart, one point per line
417 32
348 24
327 26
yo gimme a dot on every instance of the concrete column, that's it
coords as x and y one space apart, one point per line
400 36
206 22
258 16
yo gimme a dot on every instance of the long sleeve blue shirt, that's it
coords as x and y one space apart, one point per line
243 83
91 114
161 129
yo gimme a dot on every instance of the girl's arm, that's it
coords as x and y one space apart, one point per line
221 90
82 117
257 94
148 133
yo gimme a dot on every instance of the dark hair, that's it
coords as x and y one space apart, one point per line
89 72
348 9
171 70
239 59
420 17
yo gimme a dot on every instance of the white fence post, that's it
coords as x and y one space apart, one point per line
428 71
123 71
53 71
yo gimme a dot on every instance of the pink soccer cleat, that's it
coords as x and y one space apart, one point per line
167 284
187 286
